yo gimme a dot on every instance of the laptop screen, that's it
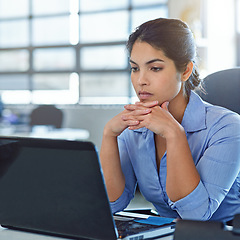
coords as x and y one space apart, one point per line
54 186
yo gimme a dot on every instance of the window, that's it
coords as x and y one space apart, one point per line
221 34
238 30
70 52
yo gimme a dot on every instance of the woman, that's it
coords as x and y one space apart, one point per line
183 153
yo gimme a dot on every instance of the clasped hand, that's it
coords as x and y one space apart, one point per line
150 115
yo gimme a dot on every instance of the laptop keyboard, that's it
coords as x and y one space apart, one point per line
127 226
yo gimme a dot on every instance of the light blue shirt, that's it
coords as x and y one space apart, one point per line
213 135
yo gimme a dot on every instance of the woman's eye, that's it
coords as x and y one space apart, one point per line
134 69
156 69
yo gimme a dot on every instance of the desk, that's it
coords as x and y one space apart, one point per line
47 132
61 133
7 234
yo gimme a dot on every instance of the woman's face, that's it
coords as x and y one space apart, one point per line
154 76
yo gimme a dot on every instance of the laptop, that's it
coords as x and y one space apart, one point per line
56 187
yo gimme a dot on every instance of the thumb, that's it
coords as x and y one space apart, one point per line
165 106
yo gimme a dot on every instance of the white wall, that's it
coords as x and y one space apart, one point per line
221 35
217 19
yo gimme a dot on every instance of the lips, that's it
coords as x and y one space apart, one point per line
144 95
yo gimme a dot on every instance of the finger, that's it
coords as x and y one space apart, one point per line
135 127
133 107
130 107
137 105
165 106
132 123
147 104
137 113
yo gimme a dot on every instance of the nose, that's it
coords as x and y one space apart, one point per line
143 78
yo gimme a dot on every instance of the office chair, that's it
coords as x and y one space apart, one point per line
46 115
222 89
206 230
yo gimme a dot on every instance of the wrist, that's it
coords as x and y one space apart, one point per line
108 132
175 133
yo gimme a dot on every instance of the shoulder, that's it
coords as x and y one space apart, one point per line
219 117
200 115
223 126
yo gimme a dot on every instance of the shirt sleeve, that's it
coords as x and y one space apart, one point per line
218 168
121 203
130 180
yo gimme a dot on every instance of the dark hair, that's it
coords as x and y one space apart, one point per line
175 39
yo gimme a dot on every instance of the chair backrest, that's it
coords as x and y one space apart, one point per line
223 89
46 115
203 230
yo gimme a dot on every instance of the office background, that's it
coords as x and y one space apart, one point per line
71 53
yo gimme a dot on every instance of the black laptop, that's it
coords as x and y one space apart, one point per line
56 187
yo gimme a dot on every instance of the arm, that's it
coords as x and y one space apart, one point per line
182 175
218 168
109 153
110 161
203 188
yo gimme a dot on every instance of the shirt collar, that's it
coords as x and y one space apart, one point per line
194 118
143 130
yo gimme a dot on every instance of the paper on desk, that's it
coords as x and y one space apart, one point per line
132 214
158 221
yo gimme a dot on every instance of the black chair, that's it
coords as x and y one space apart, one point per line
46 115
207 230
223 89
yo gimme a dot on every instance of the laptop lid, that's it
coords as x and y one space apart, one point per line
54 187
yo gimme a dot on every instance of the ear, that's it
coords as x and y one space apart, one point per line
187 73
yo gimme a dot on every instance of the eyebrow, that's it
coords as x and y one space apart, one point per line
149 62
